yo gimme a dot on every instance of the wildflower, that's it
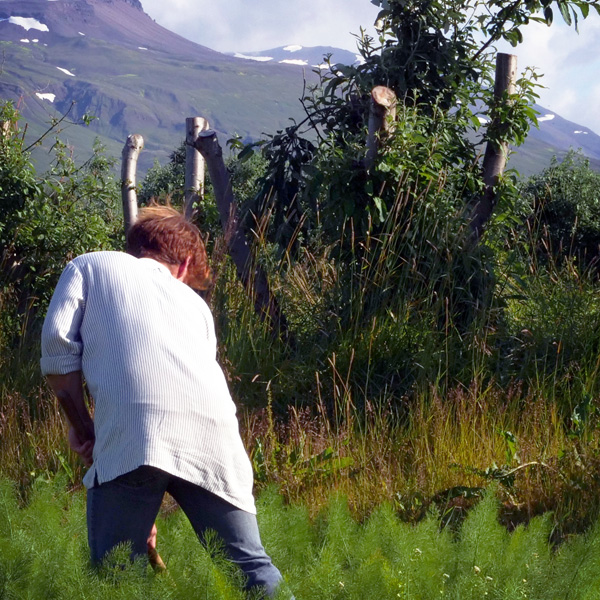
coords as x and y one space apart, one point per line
476 569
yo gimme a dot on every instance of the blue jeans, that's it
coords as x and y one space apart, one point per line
124 509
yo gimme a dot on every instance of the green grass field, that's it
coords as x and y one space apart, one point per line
43 554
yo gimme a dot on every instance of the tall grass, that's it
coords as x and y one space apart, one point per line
443 456
422 371
331 555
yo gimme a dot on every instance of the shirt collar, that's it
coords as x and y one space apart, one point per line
154 264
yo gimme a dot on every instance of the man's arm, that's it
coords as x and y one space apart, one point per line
68 389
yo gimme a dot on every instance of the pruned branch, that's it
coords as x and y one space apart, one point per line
382 113
194 165
252 276
496 152
131 152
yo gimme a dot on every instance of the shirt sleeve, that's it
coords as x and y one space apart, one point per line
61 340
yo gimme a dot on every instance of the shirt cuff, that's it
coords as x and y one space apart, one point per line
60 365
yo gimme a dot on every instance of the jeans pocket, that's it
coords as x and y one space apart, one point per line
141 477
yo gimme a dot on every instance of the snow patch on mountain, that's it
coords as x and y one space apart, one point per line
28 23
66 72
302 56
49 97
546 117
257 58
291 61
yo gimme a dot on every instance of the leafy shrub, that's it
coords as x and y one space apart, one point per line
45 221
565 200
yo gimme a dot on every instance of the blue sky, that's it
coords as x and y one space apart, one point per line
250 25
569 61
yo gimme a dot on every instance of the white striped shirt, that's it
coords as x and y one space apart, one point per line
147 348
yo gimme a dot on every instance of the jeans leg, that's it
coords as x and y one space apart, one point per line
123 510
237 528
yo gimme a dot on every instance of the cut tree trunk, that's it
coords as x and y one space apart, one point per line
194 165
252 276
496 154
131 152
382 113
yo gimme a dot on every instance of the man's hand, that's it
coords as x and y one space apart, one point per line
152 538
153 556
68 388
85 448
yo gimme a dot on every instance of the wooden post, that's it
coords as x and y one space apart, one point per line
194 164
254 280
381 114
131 152
494 160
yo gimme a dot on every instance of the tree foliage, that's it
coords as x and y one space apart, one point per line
565 203
45 221
436 55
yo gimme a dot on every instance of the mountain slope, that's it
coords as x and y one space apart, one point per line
109 59
135 76
554 136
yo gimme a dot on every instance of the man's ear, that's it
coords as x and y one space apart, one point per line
182 269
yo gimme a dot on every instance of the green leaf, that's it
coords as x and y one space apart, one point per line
380 208
564 11
246 153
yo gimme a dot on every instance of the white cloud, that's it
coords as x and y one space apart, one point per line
568 61
240 26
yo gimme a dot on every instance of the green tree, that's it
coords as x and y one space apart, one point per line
436 55
45 221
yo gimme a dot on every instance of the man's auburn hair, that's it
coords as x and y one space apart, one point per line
162 233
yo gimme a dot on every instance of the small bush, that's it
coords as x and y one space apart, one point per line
565 199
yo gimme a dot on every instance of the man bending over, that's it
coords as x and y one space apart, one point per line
164 421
